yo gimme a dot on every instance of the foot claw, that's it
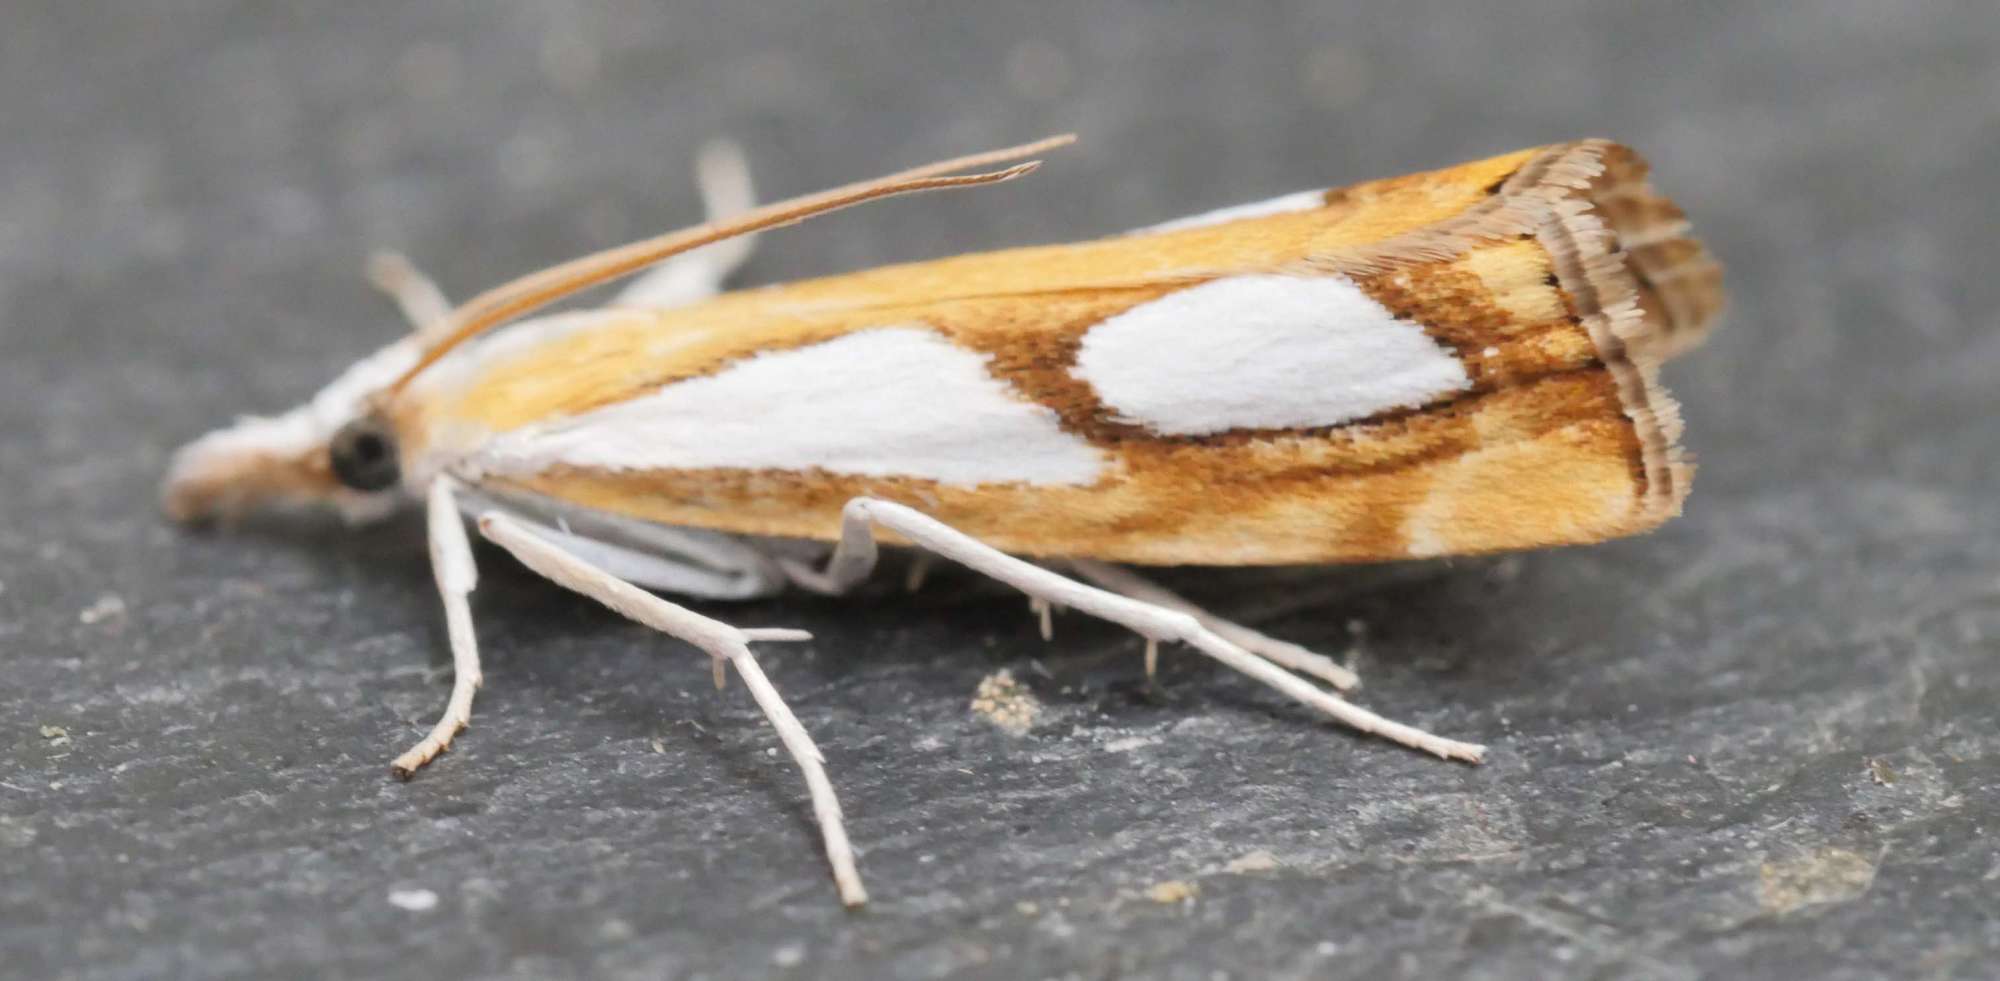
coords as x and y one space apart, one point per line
430 748
419 756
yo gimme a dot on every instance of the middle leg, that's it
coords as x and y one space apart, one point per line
715 638
723 177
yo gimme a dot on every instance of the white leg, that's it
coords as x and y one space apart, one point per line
857 551
724 178
702 573
451 563
671 575
720 641
422 303
683 561
1284 653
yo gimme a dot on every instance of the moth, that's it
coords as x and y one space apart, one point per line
1447 363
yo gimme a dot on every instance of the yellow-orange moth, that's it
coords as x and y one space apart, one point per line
1446 363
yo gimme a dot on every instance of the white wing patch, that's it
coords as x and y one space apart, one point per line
1262 352
1301 201
892 401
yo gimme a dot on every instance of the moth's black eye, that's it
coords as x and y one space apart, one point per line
364 455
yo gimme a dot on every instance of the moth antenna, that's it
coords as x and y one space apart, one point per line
535 290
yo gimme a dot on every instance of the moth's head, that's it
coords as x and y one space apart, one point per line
335 450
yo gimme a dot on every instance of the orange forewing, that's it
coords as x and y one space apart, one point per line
1555 275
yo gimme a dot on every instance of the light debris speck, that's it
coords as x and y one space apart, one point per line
106 607
414 900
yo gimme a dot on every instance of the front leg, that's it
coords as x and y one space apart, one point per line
451 564
856 554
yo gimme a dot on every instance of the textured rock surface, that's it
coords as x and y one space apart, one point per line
1762 741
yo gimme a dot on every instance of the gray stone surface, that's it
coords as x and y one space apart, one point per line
1760 742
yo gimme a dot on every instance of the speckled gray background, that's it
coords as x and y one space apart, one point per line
1760 742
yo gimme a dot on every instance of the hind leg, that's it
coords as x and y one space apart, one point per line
856 554
1284 653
